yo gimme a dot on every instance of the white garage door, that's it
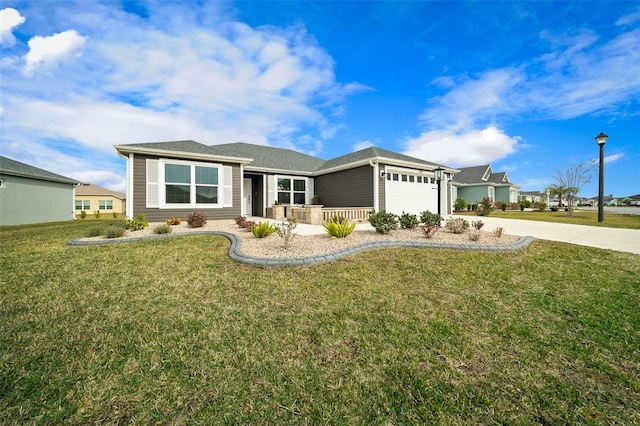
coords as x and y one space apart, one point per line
410 193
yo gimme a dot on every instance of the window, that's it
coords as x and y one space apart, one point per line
396 176
183 184
1 183
419 179
289 193
404 178
105 205
411 178
83 205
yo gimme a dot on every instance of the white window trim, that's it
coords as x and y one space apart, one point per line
2 184
307 188
224 188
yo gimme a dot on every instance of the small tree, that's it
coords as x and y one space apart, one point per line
571 180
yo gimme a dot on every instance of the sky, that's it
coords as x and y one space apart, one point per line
522 86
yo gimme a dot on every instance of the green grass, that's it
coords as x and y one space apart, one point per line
580 217
172 331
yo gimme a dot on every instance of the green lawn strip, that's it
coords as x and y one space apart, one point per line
579 217
172 330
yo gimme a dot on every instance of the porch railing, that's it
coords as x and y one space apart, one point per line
355 214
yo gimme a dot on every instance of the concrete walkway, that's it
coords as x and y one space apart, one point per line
626 240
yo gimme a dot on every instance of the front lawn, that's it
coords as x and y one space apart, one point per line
172 331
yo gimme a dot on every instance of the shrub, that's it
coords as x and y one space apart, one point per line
196 220
478 224
525 203
285 231
315 199
514 206
383 221
113 231
540 206
94 231
239 220
114 214
474 235
173 221
137 223
498 231
262 229
97 214
457 225
499 205
460 204
162 229
430 219
247 224
522 207
429 230
83 214
485 207
339 228
408 221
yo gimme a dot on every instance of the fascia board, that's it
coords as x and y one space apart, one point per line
387 162
181 154
278 171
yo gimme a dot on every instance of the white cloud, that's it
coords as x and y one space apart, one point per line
45 52
362 145
462 148
629 19
612 158
9 19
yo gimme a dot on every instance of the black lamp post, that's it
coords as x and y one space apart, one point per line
439 175
601 139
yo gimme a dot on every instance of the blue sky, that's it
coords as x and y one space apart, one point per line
523 86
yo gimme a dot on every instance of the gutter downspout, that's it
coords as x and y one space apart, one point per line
376 186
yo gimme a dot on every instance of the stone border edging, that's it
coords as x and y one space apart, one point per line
236 255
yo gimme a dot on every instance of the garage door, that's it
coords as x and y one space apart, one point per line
410 193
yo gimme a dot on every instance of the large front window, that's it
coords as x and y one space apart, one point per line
190 184
292 191
105 205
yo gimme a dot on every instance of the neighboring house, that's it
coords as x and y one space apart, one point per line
531 196
167 179
32 195
91 198
475 183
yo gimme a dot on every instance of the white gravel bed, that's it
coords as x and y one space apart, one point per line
312 245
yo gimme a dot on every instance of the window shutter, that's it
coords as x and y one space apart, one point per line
152 183
227 182
271 193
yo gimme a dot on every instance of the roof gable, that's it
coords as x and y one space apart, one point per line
90 189
373 153
471 175
16 168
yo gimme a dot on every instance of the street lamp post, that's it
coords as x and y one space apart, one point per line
439 175
601 139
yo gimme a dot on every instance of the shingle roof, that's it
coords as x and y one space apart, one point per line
90 189
16 168
500 177
372 153
471 174
266 157
281 159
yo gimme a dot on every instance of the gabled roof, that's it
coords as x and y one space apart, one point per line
270 158
471 175
90 189
16 168
266 158
375 154
500 177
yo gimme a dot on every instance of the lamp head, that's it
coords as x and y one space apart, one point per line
602 138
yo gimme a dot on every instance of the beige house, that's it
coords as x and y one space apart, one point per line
91 198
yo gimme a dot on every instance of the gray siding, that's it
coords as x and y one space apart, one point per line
160 215
347 188
25 200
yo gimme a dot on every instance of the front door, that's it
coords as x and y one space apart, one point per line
248 197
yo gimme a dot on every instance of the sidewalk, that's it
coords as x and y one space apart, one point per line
626 240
